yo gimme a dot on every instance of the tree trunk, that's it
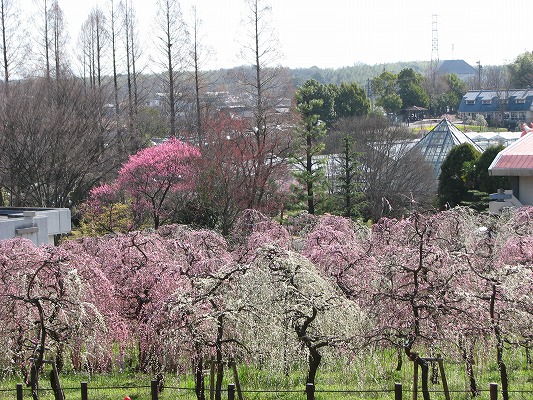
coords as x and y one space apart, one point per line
499 345
199 384
425 375
468 359
55 384
34 381
314 362
309 168
38 355
399 361
220 365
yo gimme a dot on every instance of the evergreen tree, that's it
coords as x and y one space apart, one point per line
348 194
351 101
453 179
411 90
310 171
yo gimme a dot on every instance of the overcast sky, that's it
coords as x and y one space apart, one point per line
337 33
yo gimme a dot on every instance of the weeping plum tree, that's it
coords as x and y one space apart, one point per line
191 316
415 285
340 248
500 280
46 303
286 296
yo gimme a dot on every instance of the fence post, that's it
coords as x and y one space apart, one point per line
310 390
84 395
19 391
493 391
154 390
397 391
231 391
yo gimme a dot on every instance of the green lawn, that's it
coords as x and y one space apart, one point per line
371 377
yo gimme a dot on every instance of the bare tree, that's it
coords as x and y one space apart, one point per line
59 37
394 178
92 43
264 85
54 143
53 38
128 22
14 44
44 35
113 28
131 137
172 37
199 56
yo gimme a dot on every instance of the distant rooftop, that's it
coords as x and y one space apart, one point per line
459 67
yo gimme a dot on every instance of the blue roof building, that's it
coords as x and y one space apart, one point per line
503 106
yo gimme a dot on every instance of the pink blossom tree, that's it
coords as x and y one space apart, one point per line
341 248
415 289
237 174
154 183
159 176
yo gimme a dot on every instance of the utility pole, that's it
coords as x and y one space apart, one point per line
479 68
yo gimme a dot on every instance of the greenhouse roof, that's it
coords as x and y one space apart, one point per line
438 142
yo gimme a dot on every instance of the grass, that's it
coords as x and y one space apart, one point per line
371 377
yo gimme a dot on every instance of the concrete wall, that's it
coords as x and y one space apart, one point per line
526 190
37 225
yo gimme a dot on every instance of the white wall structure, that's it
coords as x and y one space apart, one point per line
36 224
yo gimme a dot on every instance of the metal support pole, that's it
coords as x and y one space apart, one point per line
493 391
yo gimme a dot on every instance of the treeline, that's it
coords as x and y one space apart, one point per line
359 73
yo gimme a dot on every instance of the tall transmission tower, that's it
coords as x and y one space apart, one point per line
434 43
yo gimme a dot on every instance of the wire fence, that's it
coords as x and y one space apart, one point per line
310 392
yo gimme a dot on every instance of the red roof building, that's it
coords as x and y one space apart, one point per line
516 162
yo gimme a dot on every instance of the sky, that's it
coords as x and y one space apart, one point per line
338 33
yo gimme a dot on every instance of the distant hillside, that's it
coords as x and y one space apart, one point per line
359 73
